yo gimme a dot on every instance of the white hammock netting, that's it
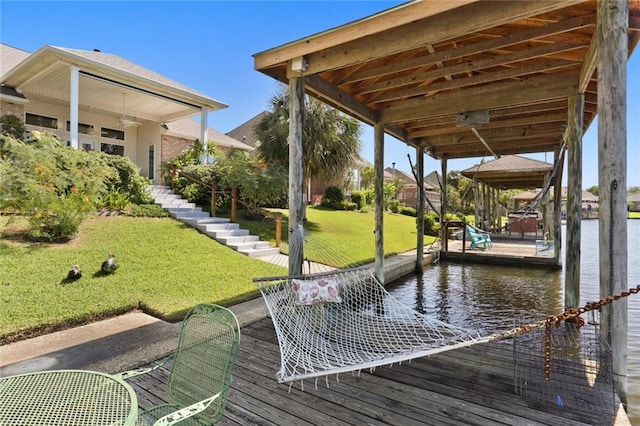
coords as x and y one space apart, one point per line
352 323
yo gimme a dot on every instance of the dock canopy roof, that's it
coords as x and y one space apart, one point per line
432 71
511 172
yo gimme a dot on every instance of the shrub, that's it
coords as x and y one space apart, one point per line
126 179
52 186
394 205
408 211
358 198
333 194
431 224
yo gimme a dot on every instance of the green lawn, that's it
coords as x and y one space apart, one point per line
165 267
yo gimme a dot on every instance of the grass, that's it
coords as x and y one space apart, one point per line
165 267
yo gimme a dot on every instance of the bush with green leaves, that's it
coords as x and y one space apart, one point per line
11 125
257 184
126 180
431 224
53 186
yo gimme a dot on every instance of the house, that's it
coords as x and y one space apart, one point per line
100 101
408 189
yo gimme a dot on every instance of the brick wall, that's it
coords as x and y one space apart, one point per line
8 108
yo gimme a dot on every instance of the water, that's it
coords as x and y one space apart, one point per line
490 297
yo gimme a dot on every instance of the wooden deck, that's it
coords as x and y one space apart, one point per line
505 251
468 386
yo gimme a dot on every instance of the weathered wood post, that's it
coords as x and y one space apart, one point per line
558 157
278 229
613 20
296 213
420 209
443 206
378 199
574 201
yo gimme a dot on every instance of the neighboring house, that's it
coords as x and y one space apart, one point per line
589 204
245 132
100 101
408 194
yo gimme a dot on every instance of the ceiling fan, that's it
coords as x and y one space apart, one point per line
124 120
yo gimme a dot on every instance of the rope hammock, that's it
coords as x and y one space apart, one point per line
345 320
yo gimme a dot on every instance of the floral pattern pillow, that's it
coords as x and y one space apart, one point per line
322 290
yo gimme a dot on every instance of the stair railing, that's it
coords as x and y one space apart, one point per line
234 200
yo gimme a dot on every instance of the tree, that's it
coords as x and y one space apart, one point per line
330 140
593 189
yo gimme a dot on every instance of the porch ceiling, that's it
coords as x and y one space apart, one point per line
105 88
424 68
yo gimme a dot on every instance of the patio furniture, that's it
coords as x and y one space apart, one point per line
478 237
66 397
201 373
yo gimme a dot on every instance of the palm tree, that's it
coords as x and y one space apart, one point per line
330 140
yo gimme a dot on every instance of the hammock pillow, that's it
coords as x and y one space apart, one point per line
322 290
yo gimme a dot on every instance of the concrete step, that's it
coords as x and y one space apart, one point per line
256 245
260 252
200 221
230 241
191 215
218 226
228 233
178 210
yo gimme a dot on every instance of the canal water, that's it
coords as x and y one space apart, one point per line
492 298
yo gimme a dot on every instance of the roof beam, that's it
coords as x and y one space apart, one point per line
469 50
380 22
558 117
511 72
433 29
503 148
500 95
473 66
502 134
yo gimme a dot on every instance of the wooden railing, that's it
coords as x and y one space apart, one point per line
234 201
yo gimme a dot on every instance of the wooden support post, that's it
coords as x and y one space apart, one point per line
574 201
420 210
476 198
278 229
443 206
296 213
613 21
558 158
378 200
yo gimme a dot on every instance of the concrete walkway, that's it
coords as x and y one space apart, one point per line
132 339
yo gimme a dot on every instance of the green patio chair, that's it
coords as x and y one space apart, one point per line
200 375
478 237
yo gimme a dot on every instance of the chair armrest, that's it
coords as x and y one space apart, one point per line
139 371
186 412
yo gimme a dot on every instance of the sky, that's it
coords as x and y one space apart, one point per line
209 46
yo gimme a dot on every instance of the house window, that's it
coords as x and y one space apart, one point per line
41 121
112 133
85 129
111 148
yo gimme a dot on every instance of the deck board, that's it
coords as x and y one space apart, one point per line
470 386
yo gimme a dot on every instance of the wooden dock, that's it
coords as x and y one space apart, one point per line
471 386
504 251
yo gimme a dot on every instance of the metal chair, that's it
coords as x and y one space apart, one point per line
201 373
